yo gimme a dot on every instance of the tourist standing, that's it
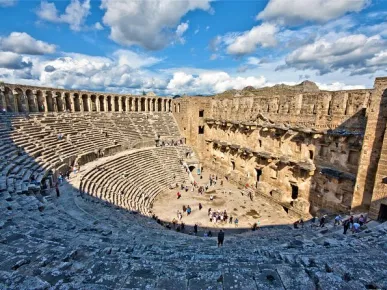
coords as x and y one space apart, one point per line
220 238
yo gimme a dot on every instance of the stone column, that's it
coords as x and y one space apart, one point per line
2 99
139 104
105 103
45 103
97 104
167 106
127 104
72 103
81 104
89 104
132 105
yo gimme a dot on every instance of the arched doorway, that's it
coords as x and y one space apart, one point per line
40 98
49 101
93 103
9 100
101 103
59 102
31 101
123 104
159 105
21 100
85 101
142 105
116 104
130 105
109 103
149 105
170 106
136 104
77 103
153 105
67 102
258 174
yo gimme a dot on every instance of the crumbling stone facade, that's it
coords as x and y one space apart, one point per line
308 150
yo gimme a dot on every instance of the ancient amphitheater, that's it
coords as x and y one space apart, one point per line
289 152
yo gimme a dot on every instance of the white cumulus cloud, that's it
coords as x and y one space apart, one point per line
289 12
75 13
151 24
261 35
337 52
210 82
23 43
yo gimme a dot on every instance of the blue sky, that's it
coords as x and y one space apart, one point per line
192 46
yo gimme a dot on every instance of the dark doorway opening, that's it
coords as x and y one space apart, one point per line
294 191
191 168
201 130
311 154
259 174
383 213
233 165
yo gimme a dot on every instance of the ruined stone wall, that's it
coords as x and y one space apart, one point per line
190 113
323 160
20 98
313 110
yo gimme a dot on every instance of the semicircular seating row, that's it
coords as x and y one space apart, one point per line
29 146
133 181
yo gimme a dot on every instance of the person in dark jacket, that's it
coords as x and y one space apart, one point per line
220 238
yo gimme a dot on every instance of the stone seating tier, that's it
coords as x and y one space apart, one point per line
134 180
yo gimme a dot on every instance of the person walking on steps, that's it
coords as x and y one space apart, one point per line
220 238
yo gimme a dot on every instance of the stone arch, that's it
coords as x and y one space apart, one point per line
85 102
123 104
170 105
109 104
130 104
116 104
159 105
136 105
9 100
40 99
153 105
67 102
178 107
142 109
77 103
31 101
59 102
93 103
101 103
49 101
20 100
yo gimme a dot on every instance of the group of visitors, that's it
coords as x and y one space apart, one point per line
218 216
164 143
352 223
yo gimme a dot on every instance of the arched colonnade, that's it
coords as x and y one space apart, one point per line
24 99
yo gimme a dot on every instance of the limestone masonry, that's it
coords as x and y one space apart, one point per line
80 172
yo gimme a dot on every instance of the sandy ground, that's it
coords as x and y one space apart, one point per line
238 206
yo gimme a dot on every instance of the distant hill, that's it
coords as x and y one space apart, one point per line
304 87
